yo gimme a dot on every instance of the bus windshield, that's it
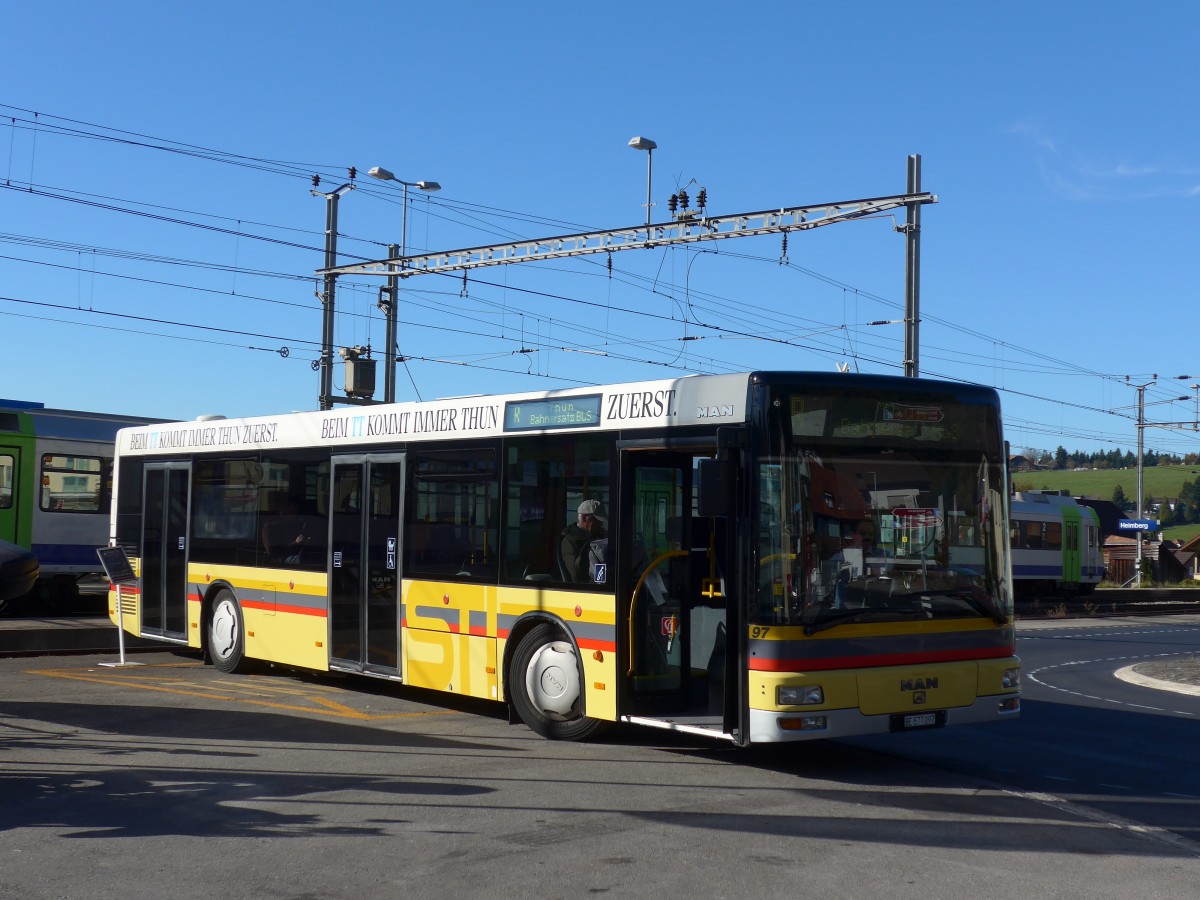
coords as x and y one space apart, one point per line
881 509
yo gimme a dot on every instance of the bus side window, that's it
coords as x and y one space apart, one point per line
452 514
547 479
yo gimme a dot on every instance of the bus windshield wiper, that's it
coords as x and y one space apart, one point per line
980 605
859 615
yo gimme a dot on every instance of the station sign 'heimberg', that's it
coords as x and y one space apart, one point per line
1137 525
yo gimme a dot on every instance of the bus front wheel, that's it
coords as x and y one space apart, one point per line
546 684
226 633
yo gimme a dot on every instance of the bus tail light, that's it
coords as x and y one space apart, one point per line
1011 679
1010 705
803 723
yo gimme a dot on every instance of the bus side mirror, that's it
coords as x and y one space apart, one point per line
715 493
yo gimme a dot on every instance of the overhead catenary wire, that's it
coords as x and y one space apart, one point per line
731 317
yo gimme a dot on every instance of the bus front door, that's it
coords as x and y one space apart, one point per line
364 563
674 593
165 550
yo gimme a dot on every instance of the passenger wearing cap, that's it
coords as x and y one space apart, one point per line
578 538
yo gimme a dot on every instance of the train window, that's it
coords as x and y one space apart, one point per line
73 483
7 467
1052 537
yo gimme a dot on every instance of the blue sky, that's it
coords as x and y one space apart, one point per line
158 236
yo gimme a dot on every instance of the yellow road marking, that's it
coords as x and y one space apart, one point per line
321 705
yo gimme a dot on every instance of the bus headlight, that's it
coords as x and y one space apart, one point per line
1011 679
807 695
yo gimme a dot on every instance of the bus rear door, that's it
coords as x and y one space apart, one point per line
164 550
364 563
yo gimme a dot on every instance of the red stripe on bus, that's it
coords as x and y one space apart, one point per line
589 644
863 662
283 608
301 610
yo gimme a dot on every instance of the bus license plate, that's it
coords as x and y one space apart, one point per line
917 721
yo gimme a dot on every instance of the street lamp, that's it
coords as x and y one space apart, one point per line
1141 427
428 186
644 143
392 291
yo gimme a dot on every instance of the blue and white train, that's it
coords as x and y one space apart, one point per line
56 488
1056 545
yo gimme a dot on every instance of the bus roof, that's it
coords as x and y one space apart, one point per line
690 400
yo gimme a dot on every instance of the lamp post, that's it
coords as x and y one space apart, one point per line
1141 427
390 306
427 186
644 143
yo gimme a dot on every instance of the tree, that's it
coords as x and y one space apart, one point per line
1187 509
1122 503
1147 570
1060 458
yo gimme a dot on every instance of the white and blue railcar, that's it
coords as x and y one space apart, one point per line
1056 545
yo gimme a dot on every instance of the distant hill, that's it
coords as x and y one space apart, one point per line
1157 481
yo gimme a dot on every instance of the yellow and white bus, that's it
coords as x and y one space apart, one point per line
672 553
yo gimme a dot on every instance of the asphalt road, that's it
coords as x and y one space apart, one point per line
1127 752
172 779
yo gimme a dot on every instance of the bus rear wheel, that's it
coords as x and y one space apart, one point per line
546 684
226 633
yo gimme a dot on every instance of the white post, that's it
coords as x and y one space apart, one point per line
120 634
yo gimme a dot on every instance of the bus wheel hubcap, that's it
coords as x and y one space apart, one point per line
224 627
552 679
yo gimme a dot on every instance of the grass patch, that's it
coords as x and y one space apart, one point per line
1157 481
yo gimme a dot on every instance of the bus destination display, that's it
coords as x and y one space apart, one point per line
568 412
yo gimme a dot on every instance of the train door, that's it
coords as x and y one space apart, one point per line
10 493
672 571
165 494
364 563
1070 546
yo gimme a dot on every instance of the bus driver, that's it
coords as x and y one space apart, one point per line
576 547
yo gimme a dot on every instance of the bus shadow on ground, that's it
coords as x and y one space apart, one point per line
192 729
145 801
